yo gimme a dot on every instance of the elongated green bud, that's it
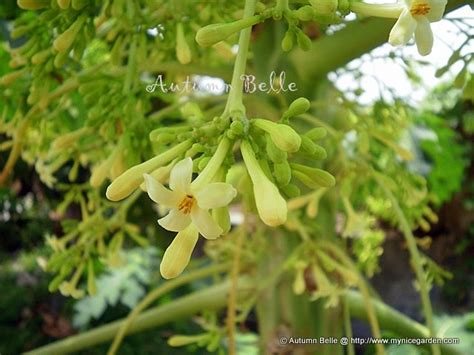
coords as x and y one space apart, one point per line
19 31
313 149
316 133
305 13
178 254
33 4
79 4
9 78
222 217
182 340
287 42
304 42
297 107
64 4
271 206
40 57
126 183
324 7
209 35
183 52
282 173
60 59
275 154
65 40
99 173
203 163
68 139
291 190
313 177
282 135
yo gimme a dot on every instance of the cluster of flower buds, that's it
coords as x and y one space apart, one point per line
199 206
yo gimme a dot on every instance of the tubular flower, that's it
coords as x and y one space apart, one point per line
188 204
415 19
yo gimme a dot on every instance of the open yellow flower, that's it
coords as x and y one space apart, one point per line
188 204
415 19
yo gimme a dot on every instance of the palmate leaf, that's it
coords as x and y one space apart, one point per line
124 285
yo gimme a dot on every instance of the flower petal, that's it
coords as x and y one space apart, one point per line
214 195
423 36
160 194
205 224
181 174
403 29
437 10
175 221
178 254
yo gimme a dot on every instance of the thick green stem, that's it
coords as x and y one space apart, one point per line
157 293
415 260
234 103
391 319
211 299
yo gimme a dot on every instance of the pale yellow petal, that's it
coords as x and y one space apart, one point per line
214 195
423 36
175 221
271 206
204 223
437 8
181 174
178 254
160 194
403 29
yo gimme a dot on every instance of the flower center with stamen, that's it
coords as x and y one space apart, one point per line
186 205
420 9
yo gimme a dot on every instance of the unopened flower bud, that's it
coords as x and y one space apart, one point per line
324 7
282 173
282 135
313 149
304 42
297 107
79 4
65 40
291 190
211 34
222 217
316 133
33 4
275 154
183 52
313 177
131 179
287 42
305 13
64 4
271 206
40 57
